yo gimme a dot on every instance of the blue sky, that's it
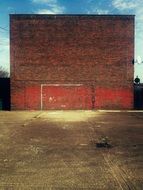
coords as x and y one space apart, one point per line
72 7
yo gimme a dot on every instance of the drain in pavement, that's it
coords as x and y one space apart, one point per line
104 142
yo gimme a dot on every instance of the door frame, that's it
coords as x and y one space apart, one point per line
65 84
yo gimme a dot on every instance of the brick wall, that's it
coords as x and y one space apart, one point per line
93 51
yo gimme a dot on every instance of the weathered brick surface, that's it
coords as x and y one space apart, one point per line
116 98
95 51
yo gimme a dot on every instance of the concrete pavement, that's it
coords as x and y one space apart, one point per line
57 150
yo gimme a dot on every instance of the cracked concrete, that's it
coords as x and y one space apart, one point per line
56 150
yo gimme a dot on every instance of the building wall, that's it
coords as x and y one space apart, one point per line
54 56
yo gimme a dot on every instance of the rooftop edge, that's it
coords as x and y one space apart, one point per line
70 15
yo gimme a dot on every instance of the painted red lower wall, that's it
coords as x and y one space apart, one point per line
44 97
33 97
117 98
66 97
17 98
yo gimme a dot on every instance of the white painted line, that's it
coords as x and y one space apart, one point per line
42 85
119 111
62 84
41 97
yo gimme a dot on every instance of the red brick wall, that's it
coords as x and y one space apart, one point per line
94 51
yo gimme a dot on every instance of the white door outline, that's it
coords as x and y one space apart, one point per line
42 85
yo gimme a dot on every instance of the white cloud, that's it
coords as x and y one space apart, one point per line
53 7
52 10
124 4
45 11
98 11
57 9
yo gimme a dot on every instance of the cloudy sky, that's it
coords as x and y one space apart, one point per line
134 7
